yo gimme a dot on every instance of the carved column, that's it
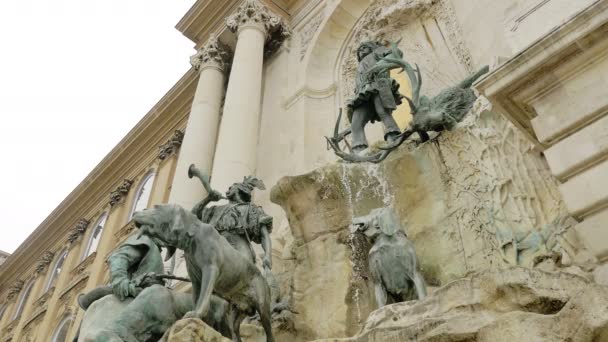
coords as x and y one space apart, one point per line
198 145
257 30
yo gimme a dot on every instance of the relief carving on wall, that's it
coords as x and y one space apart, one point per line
496 182
308 32
171 146
118 195
79 229
418 23
44 262
14 290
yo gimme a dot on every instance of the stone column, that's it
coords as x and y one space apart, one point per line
198 145
258 31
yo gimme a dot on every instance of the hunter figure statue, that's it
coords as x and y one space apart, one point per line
240 221
376 95
136 306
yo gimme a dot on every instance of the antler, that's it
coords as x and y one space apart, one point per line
416 83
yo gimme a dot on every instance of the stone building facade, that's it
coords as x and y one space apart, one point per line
3 257
266 85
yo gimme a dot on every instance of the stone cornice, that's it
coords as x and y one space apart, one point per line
515 84
131 156
207 17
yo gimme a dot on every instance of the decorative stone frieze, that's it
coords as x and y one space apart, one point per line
45 260
252 13
118 195
79 229
171 146
14 290
214 54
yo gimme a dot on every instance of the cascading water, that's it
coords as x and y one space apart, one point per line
365 188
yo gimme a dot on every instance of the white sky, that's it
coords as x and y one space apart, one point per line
75 77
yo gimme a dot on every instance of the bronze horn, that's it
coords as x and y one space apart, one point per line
193 171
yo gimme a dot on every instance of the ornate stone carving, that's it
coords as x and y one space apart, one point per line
171 146
14 290
254 13
79 229
308 32
45 260
121 192
213 53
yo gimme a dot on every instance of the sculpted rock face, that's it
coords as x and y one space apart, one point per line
516 304
453 194
192 330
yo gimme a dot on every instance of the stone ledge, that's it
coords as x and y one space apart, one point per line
514 304
587 192
580 151
593 231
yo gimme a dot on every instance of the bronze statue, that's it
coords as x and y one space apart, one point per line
377 96
240 221
392 259
213 265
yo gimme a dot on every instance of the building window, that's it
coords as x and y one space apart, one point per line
95 235
57 269
23 299
2 310
143 194
61 332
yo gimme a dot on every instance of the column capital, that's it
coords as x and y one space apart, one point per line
253 14
214 54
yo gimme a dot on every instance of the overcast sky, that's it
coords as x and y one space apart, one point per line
75 77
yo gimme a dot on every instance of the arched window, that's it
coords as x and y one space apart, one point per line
143 194
95 235
23 299
2 310
57 269
61 332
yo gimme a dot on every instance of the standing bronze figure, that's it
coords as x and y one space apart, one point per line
376 96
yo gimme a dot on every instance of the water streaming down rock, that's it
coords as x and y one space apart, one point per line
360 183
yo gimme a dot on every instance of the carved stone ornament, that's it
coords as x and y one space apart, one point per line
254 13
14 290
213 53
121 192
78 230
45 260
171 146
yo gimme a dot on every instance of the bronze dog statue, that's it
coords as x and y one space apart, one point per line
213 265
